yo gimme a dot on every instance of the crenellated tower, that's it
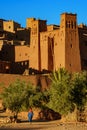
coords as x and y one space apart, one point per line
70 41
36 26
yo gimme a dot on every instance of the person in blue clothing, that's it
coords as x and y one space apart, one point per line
30 115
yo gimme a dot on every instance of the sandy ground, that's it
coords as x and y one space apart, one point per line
52 125
41 125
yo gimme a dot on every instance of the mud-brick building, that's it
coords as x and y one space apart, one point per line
14 47
43 48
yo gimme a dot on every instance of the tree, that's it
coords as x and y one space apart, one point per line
20 95
39 98
60 91
16 94
79 94
79 91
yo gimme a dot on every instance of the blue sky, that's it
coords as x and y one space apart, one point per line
50 10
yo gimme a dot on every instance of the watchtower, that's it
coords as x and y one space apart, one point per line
70 41
36 26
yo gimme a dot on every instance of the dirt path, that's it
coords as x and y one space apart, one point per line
44 126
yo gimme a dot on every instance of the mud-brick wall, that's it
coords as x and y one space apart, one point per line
37 80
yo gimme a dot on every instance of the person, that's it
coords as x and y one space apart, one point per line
30 115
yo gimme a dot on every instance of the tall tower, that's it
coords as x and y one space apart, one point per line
36 26
69 32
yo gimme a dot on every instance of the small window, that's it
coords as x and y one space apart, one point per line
71 45
22 63
9 27
25 54
70 65
72 24
55 43
66 24
19 54
75 24
69 24
26 63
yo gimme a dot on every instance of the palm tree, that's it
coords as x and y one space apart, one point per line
60 91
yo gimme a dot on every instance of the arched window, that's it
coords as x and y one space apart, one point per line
69 24
75 24
66 24
72 24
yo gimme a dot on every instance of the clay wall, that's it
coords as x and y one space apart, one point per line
10 26
38 80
